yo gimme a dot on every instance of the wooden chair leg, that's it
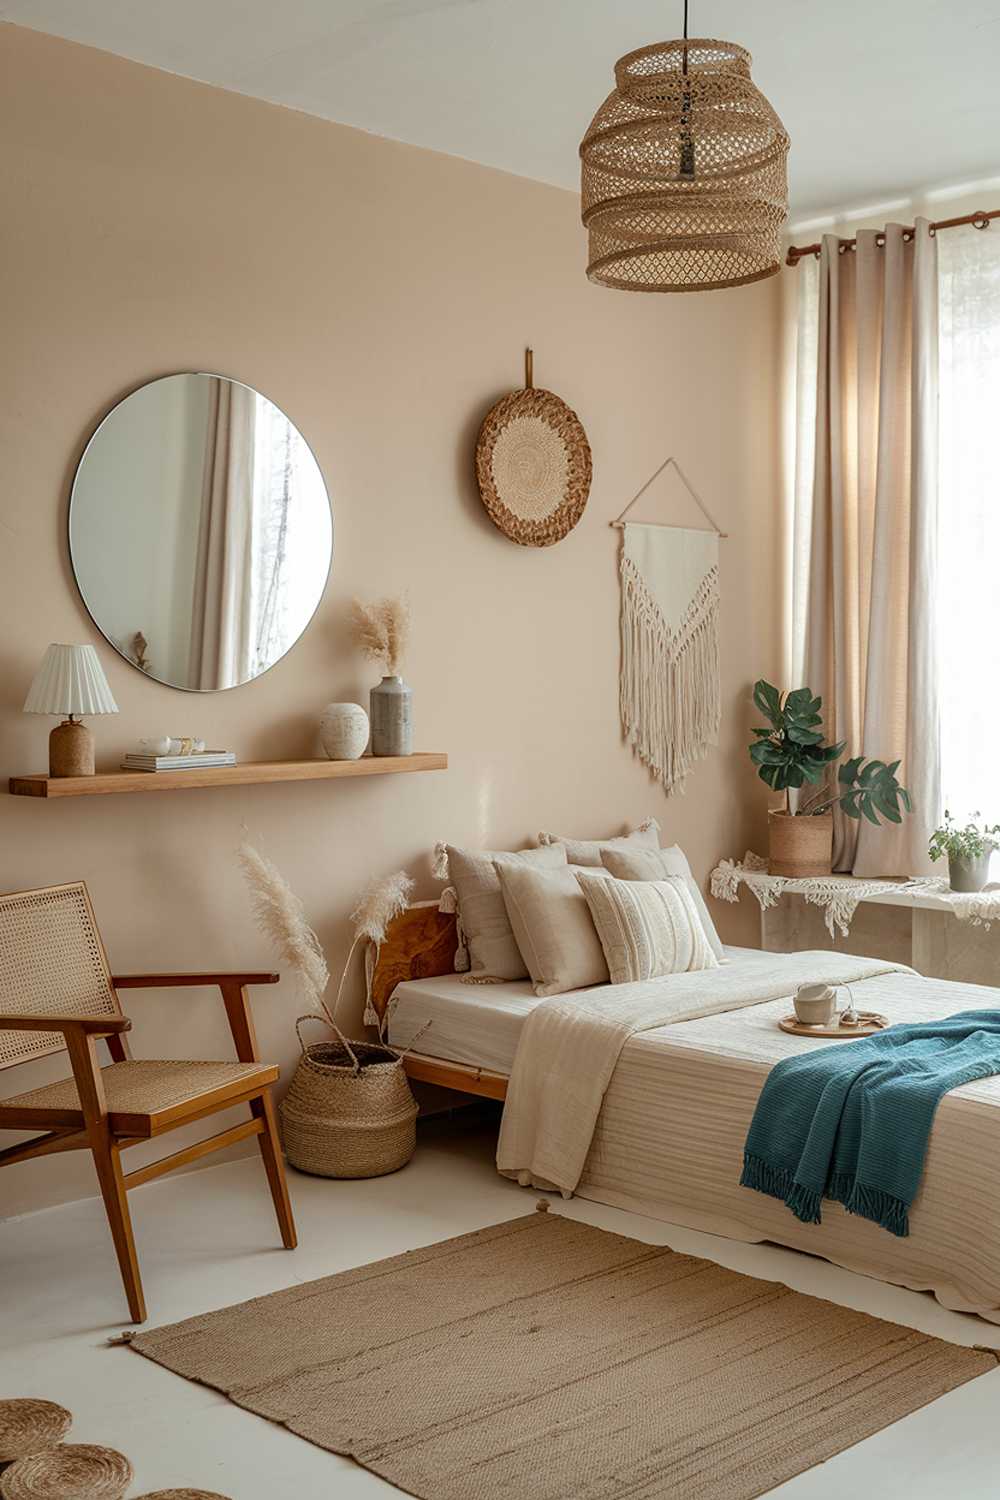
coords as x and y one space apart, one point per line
105 1149
109 1175
274 1166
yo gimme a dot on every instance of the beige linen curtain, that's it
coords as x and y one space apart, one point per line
870 520
221 626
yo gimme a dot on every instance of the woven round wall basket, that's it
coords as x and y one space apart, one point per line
75 1471
349 1111
534 467
28 1426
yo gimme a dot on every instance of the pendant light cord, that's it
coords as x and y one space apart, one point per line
686 165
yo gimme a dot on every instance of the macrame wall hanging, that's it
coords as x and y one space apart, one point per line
669 692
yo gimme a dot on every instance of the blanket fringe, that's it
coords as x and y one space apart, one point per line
670 695
805 1203
763 1177
880 1207
778 1182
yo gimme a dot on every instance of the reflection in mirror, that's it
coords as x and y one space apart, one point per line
200 531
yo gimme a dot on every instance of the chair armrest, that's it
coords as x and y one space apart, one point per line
175 981
88 1025
233 988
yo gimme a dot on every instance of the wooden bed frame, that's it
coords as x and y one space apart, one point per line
452 1075
420 944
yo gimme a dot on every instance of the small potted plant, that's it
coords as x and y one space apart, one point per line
791 753
968 849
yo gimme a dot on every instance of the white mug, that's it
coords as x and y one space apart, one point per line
815 1004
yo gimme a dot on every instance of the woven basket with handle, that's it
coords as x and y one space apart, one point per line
349 1111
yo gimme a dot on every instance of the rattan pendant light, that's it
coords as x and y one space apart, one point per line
685 182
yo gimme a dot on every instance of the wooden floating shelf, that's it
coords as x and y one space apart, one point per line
251 773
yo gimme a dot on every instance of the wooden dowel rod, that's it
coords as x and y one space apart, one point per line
529 369
620 526
980 220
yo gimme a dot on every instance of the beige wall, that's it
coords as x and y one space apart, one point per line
382 296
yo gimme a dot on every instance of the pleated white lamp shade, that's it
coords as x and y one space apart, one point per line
70 680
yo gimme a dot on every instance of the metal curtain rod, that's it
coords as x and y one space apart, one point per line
980 220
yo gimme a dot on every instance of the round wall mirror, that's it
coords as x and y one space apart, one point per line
200 531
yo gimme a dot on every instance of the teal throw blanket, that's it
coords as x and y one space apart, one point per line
850 1122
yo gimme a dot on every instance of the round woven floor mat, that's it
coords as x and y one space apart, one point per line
534 467
183 1495
74 1471
29 1426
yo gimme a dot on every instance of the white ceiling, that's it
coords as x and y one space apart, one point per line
882 98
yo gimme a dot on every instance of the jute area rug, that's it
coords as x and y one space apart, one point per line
543 1359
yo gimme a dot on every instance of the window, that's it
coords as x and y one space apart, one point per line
968 602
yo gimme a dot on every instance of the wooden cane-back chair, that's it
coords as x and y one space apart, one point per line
57 994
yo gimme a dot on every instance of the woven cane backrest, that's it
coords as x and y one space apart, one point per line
52 962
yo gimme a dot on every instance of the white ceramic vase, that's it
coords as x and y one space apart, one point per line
343 729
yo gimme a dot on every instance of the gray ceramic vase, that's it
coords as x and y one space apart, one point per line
392 718
969 873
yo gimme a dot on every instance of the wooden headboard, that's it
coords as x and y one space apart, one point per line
419 944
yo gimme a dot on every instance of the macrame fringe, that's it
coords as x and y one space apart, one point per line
481 979
670 694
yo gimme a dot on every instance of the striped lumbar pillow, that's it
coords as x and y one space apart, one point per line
647 927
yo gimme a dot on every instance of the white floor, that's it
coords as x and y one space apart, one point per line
207 1239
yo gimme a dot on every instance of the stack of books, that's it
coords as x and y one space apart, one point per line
202 762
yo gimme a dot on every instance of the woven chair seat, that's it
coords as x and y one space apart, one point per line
149 1088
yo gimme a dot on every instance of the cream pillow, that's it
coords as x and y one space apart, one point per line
658 864
588 852
647 928
491 943
553 927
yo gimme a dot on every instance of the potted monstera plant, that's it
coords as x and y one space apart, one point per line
791 754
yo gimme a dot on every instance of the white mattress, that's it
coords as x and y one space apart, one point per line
479 1024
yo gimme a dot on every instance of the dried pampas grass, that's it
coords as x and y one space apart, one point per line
280 914
382 630
379 903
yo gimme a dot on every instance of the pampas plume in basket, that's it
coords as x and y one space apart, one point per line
349 1110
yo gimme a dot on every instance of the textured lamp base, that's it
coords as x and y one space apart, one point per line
71 750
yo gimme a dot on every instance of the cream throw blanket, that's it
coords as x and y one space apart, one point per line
669 691
570 1045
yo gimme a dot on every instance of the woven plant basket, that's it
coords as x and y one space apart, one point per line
349 1111
74 1471
800 847
28 1426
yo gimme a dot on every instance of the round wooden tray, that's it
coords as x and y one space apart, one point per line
869 1021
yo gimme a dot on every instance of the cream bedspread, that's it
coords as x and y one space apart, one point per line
570 1047
669 1144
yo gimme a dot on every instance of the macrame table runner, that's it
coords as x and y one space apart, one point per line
669 691
839 895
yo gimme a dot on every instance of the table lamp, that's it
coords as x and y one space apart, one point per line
70 681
